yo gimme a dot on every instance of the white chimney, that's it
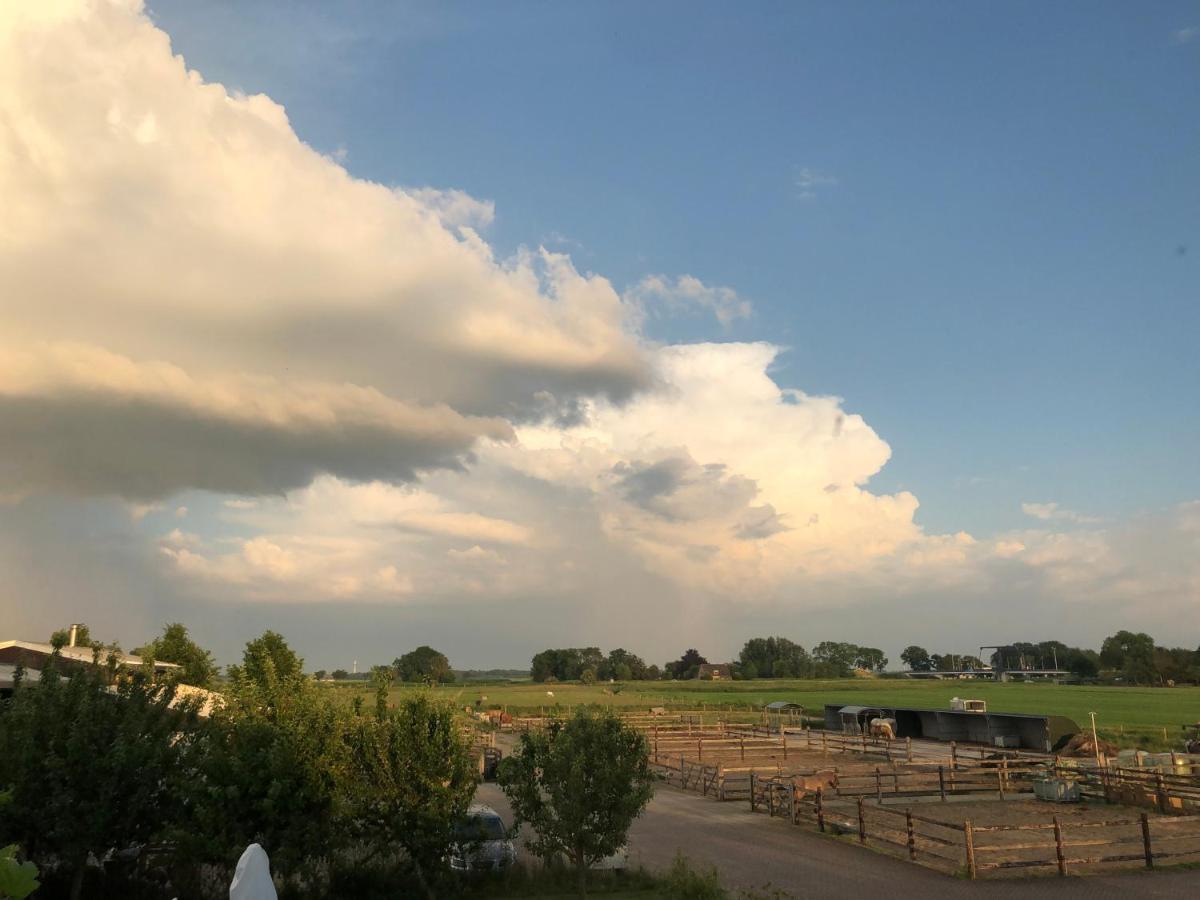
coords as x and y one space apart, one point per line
74 635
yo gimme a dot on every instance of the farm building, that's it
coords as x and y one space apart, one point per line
35 656
713 672
1025 730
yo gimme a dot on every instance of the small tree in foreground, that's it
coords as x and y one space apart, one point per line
579 786
88 766
410 781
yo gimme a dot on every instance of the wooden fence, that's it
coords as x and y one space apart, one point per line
983 850
870 803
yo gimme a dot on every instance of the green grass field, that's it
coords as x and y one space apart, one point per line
1128 716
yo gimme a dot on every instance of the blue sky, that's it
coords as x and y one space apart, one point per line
244 384
998 264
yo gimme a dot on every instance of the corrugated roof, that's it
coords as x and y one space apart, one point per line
946 711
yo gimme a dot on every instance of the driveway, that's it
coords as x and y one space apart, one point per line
752 850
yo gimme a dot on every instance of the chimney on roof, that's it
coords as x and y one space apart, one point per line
74 635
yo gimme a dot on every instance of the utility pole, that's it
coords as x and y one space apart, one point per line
1095 740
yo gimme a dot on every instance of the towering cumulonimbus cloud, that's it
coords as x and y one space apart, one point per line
180 270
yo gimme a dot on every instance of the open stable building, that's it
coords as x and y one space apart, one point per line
1024 730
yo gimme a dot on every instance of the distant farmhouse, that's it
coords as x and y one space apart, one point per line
714 672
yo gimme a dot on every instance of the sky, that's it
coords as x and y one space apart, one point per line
502 326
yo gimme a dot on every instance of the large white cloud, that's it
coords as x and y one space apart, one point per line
155 217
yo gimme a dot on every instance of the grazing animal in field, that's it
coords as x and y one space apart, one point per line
883 728
802 785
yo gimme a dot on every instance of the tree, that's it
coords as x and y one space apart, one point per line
916 658
339 674
424 664
579 785
871 659
410 781
774 657
319 675
174 646
687 665
565 664
267 659
268 767
834 659
617 658
1132 654
89 765
83 638
588 676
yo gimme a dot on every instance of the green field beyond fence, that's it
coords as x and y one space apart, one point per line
1127 716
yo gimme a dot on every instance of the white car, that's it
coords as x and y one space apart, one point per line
481 842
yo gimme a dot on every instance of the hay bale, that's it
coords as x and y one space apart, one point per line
1082 745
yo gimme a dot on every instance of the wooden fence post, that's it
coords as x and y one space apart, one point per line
1146 842
770 799
720 781
807 738
824 748
969 847
942 782
682 773
878 787
792 812
908 748
1161 794
1000 782
753 801
703 781
953 755
862 823
743 745
783 737
820 810
912 836
1058 847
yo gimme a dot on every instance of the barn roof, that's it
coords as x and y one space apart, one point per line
35 655
783 704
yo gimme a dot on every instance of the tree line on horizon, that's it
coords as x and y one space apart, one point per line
771 657
1126 656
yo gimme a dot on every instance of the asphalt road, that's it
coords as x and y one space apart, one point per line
751 850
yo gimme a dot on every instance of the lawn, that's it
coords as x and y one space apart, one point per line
1124 714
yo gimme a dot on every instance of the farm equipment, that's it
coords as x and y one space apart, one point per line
1056 790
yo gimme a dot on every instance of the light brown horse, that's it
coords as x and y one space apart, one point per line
810 784
883 728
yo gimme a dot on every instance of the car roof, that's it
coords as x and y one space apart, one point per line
480 809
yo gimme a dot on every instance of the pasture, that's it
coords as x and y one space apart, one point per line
1128 716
